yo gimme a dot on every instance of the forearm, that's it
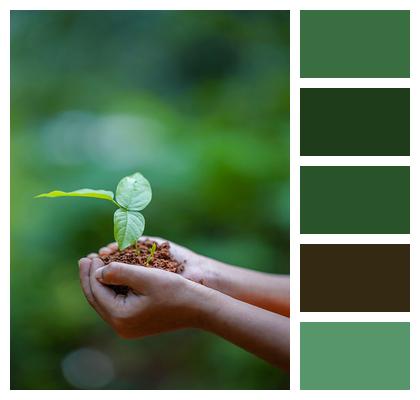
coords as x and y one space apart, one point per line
268 291
258 331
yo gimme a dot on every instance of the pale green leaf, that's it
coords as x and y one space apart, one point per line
128 227
134 192
98 194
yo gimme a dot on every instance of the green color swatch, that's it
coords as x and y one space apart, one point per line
355 44
355 355
355 122
355 200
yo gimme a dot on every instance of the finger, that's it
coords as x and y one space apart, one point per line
102 294
92 255
84 268
104 251
156 239
85 265
135 277
113 246
84 271
109 249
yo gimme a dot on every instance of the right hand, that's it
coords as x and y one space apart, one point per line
158 301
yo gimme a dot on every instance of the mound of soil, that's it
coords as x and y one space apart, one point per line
162 259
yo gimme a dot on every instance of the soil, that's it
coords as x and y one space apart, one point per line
162 259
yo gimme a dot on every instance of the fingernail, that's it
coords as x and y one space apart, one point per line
98 274
96 261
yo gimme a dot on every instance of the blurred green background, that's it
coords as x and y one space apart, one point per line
196 101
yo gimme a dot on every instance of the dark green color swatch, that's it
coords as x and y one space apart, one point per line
355 122
331 275
355 200
355 355
355 44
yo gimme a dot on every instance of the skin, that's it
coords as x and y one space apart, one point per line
247 308
268 291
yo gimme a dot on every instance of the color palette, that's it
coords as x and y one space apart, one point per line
355 122
355 44
352 126
355 277
355 355
355 199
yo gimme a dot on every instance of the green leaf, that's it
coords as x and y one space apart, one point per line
134 192
128 227
98 194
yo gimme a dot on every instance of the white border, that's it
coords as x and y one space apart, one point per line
296 160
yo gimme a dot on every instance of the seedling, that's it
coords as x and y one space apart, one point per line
151 253
133 194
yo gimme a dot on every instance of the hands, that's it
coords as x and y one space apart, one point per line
267 291
158 301
232 302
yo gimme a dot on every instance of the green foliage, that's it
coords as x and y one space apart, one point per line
201 108
128 227
98 194
133 194
151 254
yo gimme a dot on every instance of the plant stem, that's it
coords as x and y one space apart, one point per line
151 254
117 204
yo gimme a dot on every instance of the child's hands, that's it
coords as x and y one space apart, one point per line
197 268
161 301
158 301
267 291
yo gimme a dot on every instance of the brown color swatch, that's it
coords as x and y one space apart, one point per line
354 277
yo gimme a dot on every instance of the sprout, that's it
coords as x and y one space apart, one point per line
133 194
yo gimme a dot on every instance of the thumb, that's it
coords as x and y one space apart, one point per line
117 273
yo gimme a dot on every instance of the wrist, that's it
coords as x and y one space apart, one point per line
212 273
204 305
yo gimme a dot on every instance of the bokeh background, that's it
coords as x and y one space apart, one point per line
196 101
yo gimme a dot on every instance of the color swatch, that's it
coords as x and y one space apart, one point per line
355 122
354 200
355 278
355 355
355 44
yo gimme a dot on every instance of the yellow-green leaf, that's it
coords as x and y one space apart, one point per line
98 194
128 227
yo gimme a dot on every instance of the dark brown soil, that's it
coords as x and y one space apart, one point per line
162 259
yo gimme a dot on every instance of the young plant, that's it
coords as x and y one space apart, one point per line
151 254
133 194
